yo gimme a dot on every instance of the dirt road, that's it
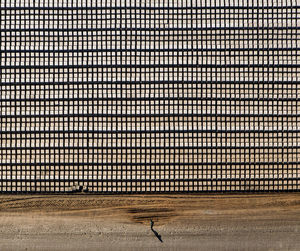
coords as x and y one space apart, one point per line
185 222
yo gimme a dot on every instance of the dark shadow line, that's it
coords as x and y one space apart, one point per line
158 236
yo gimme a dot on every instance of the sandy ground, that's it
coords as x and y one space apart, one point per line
122 222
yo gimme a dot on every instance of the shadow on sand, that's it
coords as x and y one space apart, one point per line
158 236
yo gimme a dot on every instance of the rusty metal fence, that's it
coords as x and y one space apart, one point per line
149 96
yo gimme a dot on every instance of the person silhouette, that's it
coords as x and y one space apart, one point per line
152 224
158 236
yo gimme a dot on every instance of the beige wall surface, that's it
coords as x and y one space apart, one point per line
149 95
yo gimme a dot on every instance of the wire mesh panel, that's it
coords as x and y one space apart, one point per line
149 96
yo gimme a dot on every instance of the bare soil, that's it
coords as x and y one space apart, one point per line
122 222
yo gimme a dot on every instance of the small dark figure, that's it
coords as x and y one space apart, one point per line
156 234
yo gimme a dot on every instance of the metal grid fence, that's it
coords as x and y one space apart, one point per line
149 96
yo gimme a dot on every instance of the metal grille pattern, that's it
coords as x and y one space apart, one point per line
149 96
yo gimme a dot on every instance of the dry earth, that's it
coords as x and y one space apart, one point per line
122 222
